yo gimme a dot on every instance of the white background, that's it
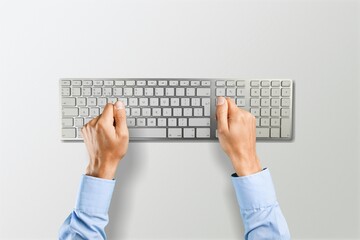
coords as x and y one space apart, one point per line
180 190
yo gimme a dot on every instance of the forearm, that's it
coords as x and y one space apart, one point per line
260 211
90 216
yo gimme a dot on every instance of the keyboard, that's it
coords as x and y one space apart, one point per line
177 109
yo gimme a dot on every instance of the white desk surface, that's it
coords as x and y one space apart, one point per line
168 190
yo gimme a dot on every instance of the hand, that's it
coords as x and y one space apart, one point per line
106 138
237 136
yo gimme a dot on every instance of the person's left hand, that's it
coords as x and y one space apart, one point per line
106 138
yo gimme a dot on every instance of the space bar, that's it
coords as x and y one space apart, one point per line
147 132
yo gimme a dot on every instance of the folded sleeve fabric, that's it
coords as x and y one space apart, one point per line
90 216
260 211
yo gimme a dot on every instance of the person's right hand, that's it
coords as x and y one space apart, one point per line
106 138
237 136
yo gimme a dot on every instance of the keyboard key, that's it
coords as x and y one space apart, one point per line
70 112
118 91
151 122
184 83
108 83
140 122
84 112
128 91
190 91
182 122
285 112
240 92
68 133
172 122
255 83
194 122
275 92
203 92
76 82
187 112
138 91
173 83
67 122
255 112
275 132
265 102
275 112
174 102
169 92
285 92
98 83
159 92
254 92
220 92
275 102
120 83
275 83
265 83
79 122
65 82
230 92
220 83
285 83
205 83
189 132
265 92
198 112
255 102
275 122
262 132
86 91
240 102
285 127
164 102
149 91
130 122
130 83
97 91
230 83
195 102
87 83
65 91
240 83
265 122
166 112
180 92
162 83
162 122
203 132
285 102
147 132
152 83
174 132
68 101
194 83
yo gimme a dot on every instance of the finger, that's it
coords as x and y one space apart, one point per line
232 109
107 116
222 114
120 119
94 121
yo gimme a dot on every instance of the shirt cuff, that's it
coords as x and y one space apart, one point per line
94 195
254 191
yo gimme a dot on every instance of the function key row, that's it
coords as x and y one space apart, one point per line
135 83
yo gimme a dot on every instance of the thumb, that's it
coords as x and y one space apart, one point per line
120 118
222 114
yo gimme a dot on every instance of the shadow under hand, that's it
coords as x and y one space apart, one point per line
121 204
224 162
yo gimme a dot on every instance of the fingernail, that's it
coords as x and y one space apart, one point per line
119 105
220 101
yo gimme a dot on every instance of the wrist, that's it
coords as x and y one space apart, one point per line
246 166
103 171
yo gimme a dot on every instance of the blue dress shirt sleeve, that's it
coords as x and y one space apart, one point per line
90 216
259 208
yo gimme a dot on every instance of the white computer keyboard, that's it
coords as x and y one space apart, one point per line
177 109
